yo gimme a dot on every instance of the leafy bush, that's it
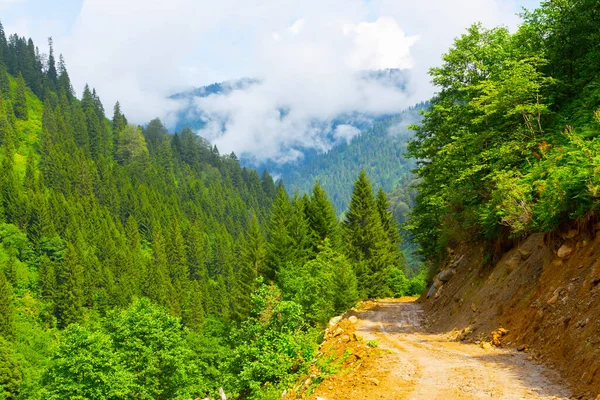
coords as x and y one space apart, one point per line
402 286
272 347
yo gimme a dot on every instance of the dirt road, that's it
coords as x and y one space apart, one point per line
420 365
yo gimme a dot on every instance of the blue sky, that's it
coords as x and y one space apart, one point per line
306 52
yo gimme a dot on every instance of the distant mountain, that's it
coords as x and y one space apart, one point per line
379 150
189 115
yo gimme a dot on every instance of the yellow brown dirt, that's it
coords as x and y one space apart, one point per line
410 362
544 291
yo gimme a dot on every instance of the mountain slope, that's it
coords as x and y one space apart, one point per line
380 151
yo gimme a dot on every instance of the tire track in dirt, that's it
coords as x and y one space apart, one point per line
430 366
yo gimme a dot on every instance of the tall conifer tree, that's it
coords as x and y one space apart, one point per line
7 326
365 239
69 302
252 255
280 245
322 218
20 99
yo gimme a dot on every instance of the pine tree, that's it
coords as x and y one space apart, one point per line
119 121
323 220
390 227
98 137
51 73
252 255
3 44
20 99
365 239
10 190
4 82
280 244
47 278
69 295
64 82
158 285
7 326
299 229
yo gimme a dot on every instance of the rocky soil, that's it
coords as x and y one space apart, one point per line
544 291
410 362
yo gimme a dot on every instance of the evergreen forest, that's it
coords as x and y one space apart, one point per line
139 264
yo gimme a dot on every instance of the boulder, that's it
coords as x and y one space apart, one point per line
564 251
334 321
486 345
446 275
353 319
524 254
473 307
437 283
513 262
457 261
552 299
570 234
338 332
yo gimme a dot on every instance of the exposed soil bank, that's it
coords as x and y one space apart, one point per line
544 291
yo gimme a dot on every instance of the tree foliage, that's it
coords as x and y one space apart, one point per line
509 144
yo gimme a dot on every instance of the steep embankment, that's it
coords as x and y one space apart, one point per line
544 291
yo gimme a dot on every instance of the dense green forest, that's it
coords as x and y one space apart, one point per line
140 264
511 142
379 150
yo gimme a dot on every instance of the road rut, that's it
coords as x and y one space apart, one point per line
422 365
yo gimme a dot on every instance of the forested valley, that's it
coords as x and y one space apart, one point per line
141 264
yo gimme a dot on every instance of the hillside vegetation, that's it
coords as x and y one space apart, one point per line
510 145
139 264
380 150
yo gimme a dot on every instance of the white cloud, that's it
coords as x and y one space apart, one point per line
7 3
307 55
346 132
296 28
379 45
308 77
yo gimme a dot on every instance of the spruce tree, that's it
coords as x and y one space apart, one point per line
69 294
300 232
390 227
158 286
322 218
119 121
11 198
280 245
4 82
7 326
51 73
64 82
20 99
365 239
3 44
251 259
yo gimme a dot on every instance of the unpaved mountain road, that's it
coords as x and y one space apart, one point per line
421 365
